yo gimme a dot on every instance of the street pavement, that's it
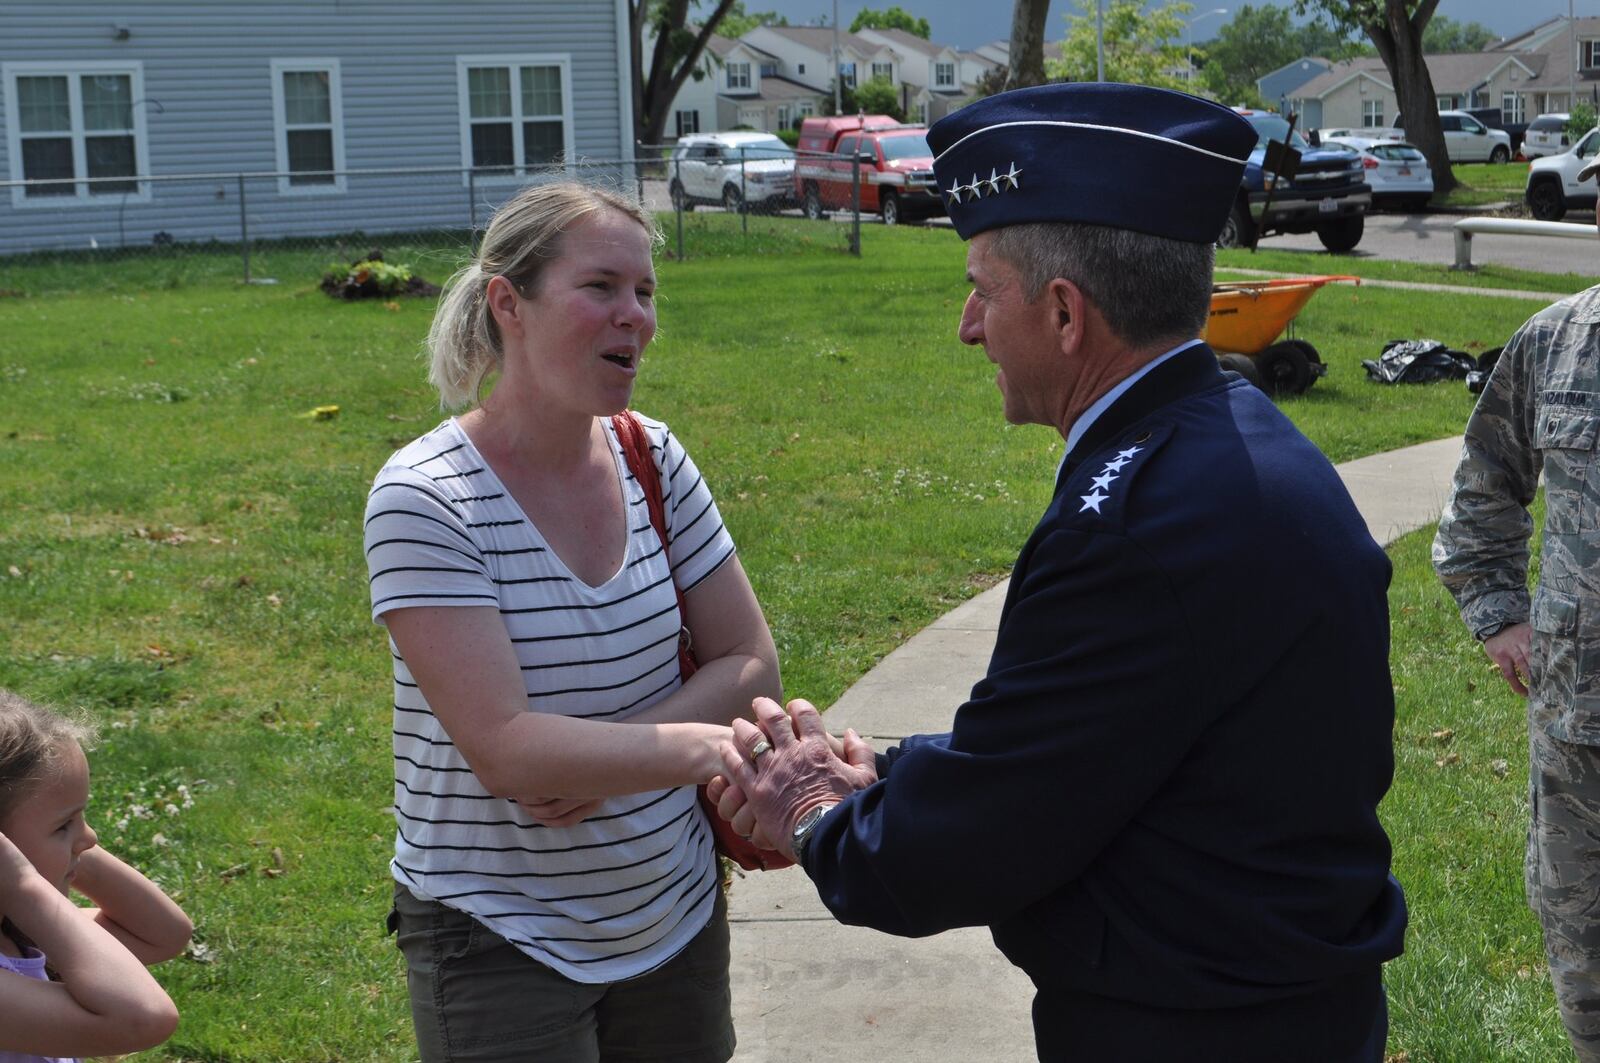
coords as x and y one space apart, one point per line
807 990
1430 239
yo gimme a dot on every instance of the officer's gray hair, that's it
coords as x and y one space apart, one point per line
1150 289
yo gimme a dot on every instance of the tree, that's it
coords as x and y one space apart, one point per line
1259 40
1396 28
1447 35
1141 47
877 96
737 22
1025 61
895 18
673 60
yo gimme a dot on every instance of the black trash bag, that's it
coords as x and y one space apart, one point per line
1480 376
1418 362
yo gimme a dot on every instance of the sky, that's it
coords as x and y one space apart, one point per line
966 24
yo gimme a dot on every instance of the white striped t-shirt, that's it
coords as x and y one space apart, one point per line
624 891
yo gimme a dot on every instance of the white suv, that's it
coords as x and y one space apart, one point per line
1466 139
731 169
1547 135
1553 187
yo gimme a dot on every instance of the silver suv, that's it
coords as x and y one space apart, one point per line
732 169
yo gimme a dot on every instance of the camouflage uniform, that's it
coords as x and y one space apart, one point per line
1540 413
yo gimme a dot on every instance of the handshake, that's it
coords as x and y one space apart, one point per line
780 767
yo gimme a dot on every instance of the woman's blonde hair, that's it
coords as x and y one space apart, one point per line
32 740
524 235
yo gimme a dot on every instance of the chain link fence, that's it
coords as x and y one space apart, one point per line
262 227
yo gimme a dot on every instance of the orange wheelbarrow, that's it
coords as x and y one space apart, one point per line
1247 317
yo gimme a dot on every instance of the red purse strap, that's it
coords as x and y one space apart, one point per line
636 452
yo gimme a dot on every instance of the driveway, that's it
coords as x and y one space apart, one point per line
1431 238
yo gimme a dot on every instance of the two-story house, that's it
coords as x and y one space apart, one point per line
805 54
127 122
931 85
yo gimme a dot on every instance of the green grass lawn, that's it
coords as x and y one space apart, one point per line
1485 182
182 556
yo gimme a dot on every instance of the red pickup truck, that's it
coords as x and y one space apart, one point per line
896 167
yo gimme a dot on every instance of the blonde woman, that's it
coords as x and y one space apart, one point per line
556 894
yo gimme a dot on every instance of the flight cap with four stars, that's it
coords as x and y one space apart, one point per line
1125 156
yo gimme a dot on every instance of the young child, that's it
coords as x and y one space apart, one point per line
100 1000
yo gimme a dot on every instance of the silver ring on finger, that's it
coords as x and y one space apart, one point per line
761 746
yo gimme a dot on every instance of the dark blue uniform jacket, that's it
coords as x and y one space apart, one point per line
1165 790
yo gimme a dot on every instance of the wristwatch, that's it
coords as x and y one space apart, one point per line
806 826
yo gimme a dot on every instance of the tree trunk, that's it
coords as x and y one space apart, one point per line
1025 63
1399 42
654 91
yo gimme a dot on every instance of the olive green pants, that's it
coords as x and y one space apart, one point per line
475 998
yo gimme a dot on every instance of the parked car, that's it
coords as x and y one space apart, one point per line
732 169
1397 172
1494 118
1326 193
896 167
1547 135
1553 187
1466 139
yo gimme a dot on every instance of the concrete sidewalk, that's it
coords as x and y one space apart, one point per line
807 989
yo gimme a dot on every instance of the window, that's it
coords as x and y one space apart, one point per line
1449 123
308 125
1590 54
944 75
1472 125
883 70
1480 98
800 68
515 113
807 108
738 75
847 75
79 126
783 116
1446 103
687 122
1511 108
1371 113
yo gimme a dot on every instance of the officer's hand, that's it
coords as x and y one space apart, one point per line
1508 648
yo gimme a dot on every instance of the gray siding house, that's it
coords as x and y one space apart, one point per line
129 121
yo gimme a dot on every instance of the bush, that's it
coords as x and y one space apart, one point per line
790 137
1580 120
373 278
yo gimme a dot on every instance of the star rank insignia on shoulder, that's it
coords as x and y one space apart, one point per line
1101 484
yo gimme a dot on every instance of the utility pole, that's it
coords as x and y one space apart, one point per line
838 90
1099 40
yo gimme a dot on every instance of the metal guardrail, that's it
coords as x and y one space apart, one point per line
1467 228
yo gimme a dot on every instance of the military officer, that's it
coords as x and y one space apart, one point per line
1540 414
1162 798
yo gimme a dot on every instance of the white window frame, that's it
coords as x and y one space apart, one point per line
743 70
1371 112
847 74
883 69
73 71
1589 53
679 123
807 108
560 60
1445 103
280 124
1511 107
939 81
785 117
